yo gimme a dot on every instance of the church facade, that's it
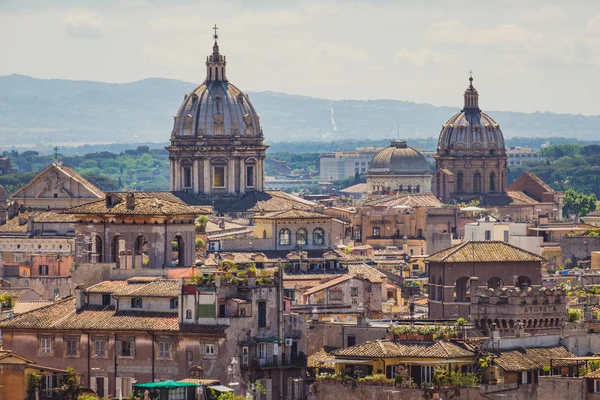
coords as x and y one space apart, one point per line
217 147
471 158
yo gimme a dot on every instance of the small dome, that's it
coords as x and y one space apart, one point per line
471 131
400 159
216 107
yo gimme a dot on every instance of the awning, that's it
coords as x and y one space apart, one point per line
271 339
346 361
164 385
221 388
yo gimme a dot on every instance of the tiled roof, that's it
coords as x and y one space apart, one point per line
483 251
18 224
406 199
63 316
293 214
369 273
520 198
22 307
532 358
144 205
319 359
358 188
153 287
593 375
201 381
416 349
15 291
328 284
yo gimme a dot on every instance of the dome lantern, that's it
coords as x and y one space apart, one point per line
471 97
216 63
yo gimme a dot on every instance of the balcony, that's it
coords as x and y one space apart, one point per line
261 363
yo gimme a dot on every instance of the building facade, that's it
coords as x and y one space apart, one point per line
217 144
345 164
471 156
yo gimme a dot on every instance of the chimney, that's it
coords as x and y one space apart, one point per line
222 223
2 217
130 201
79 297
30 224
12 210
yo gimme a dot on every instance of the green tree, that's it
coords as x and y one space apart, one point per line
578 203
69 385
574 315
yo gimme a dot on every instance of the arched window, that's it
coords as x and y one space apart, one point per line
141 252
318 236
301 237
401 188
118 251
264 234
96 251
492 182
460 182
495 283
284 237
461 290
178 251
418 189
409 189
523 282
477 182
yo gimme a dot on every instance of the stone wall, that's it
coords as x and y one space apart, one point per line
47 287
559 388
579 246
323 334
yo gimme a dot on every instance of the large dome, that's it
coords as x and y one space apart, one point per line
216 107
471 131
399 159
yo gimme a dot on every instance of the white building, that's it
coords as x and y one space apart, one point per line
509 232
344 164
519 155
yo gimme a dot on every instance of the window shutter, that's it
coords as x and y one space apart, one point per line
118 347
529 380
520 377
105 380
119 387
216 347
93 383
536 375
132 347
201 348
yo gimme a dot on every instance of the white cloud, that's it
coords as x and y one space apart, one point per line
419 58
83 23
456 32
544 13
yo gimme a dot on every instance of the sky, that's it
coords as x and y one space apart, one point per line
525 55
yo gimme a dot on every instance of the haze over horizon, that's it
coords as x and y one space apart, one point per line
526 56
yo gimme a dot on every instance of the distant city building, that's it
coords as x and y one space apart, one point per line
345 164
519 155
471 156
5 167
399 168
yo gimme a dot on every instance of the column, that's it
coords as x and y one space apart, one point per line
177 177
231 174
196 177
260 175
207 174
242 175
172 175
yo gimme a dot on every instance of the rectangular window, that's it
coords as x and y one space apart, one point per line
262 314
189 356
376 231
357 234
71 347
99 348
488 235
126 347
105 299
43 269
390 371
351 340
222 310
426 373
136 302
174 303
506 236
187 177
596 386
250 176
219 177
262 350
354 291
209 349
46 345
245 355
354 301
164 349
524 377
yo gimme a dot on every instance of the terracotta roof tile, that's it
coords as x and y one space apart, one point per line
483 251
406 199
520 198
328 284
63 316
293 214
142 287
22 307
387 348
144 205
532 358
319 359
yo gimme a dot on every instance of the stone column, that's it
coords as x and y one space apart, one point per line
259 175
177 176
207 174
172 175
196 177
242 175
231 174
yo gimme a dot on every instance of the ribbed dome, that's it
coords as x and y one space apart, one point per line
471 131
400 159
216 107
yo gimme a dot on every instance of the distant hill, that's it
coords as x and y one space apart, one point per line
63 111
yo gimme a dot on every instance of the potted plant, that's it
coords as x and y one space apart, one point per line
252 271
